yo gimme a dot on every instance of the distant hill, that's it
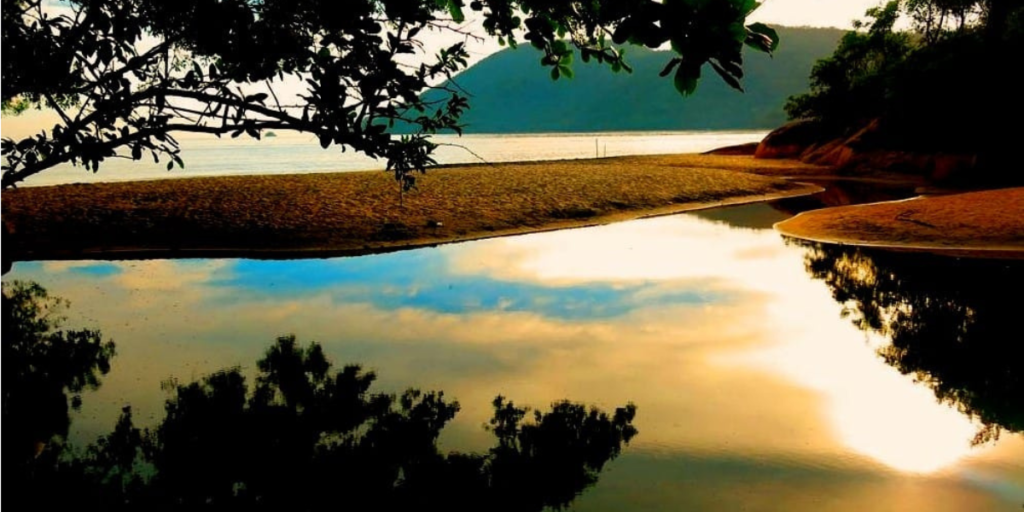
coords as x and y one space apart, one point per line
512 93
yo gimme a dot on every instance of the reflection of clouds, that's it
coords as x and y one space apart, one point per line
873 409
701 481
653 250
167 275
58 267
718 335
651 355
870 406
425 280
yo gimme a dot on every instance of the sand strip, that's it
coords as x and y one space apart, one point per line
353 213
988 223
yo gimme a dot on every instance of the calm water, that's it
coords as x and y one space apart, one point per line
767 375
291 153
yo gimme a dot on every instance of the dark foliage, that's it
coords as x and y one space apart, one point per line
303 437
126 75
947 324
850 87
941 87
46 369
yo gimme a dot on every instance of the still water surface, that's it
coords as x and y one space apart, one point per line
300 153
767 374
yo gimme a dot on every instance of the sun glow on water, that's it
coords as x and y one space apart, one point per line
870 408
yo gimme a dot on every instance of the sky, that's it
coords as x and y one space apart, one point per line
815 13
794 13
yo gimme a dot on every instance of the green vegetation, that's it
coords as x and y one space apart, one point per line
126 75
507 95
940 87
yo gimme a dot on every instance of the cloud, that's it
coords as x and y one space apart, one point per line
718 335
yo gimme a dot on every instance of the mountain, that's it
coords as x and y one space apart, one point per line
510 92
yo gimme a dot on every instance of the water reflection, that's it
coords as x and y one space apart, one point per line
838 192
302 438
791 326
945 321
46 369
756 393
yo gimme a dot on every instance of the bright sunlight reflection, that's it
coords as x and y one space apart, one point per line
871 408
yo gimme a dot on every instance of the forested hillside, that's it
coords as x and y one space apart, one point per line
510 92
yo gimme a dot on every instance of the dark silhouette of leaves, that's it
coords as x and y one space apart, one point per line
220 67
304 437
947 321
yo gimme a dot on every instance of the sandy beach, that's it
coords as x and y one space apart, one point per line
987 223
361 212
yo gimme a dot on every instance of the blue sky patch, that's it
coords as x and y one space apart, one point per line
97 270
421 280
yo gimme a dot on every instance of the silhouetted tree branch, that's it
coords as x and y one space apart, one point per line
122 73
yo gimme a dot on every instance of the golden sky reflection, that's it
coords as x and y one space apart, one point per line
869 407
764 369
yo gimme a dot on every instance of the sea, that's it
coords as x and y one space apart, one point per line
287 153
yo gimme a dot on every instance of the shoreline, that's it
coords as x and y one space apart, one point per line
319 215
139 253
351 213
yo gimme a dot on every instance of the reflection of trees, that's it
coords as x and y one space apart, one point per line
305 436
43 365
952 323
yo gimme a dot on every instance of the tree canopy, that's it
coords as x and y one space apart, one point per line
935 87
126 75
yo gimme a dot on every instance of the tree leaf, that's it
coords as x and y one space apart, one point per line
762 37
686 79
728 77
455 9
670 66
624 31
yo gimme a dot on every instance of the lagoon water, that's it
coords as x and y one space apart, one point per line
300 153
768 374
